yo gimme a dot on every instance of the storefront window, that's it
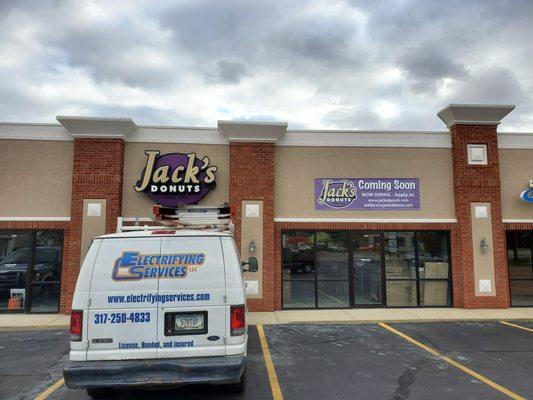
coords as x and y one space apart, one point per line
338 269
298 264
14 261
332 269
434 268
367 267
299 294
401 293
30 270
520 261
400 269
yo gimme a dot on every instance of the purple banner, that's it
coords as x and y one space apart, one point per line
367 194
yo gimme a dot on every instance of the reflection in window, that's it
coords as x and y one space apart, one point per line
30 270
332 255
14 258
45 291
434 293
298 255
299 294
401 293
316 268
400 259
366 253
520 261
333 294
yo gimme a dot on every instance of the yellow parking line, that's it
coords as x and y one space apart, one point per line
50 390
466 370
517 326
272 377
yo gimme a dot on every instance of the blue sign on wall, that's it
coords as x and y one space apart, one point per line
527 195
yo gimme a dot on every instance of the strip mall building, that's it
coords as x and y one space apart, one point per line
337 219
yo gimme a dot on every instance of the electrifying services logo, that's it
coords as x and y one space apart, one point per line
132 265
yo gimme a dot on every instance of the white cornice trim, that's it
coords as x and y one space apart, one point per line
427 139
515 140
372 220
98 127
39 219
156 134
252 131
474 114
517 221
301 138
19 131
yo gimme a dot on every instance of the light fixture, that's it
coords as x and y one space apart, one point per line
252 247
484 245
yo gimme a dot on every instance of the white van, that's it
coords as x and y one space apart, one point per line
157 309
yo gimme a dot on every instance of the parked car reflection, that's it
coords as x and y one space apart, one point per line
14 267
299 262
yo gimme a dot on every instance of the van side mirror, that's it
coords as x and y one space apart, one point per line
252 263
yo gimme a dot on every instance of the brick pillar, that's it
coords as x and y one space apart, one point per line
96 174
252 178
477 183
252 151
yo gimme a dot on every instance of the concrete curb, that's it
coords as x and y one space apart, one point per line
322 322
33 328
397 321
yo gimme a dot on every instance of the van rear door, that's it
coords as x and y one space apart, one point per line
192 317
122 317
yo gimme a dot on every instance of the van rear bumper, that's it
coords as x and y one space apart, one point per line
162 372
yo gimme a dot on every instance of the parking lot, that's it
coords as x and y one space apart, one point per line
444 360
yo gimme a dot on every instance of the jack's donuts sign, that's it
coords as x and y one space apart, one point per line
176 178
367 194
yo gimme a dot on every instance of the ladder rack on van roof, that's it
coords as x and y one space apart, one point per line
214 218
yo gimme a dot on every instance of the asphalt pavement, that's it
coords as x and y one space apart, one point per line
447 360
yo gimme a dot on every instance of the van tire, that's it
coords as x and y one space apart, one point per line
101 393
238 387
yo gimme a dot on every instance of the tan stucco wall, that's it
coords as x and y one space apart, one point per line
516 169
139 204
297 167
35 178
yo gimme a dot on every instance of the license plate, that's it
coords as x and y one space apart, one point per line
187 322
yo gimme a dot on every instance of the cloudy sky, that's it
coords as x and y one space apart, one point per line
360 64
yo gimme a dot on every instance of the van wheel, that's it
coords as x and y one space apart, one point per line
239 386
101 393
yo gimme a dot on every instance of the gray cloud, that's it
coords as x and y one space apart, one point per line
227 72
429 63
370 64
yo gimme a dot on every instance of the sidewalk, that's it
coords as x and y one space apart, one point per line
14 322
11 322
374 315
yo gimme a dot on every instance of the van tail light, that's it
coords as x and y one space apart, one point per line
238 320
76 325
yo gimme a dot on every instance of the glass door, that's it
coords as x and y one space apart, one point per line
366 269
